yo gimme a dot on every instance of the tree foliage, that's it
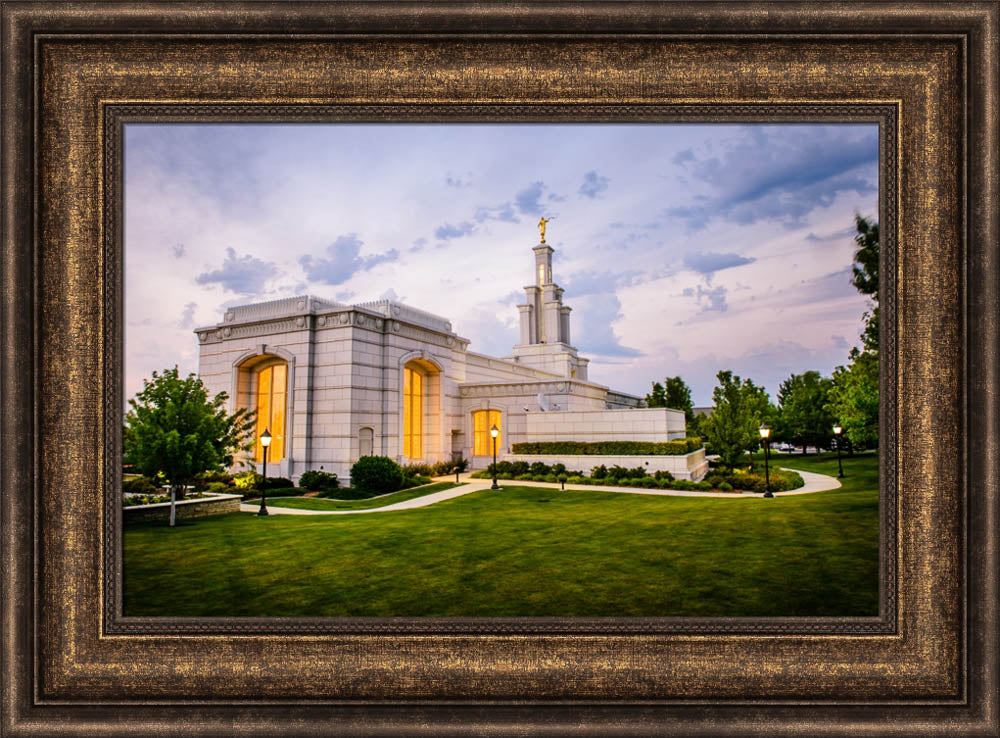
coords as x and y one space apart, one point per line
673 393
853 398
173 429
865 275
739 408
805 419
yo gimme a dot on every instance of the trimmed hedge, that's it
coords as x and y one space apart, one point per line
318 481
376 474
608 448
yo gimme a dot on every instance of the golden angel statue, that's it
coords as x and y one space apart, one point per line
541 226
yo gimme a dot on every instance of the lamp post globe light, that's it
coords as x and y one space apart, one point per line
837 430
494 432
265 441
765 433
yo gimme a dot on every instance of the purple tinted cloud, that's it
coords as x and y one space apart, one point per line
243 274
343 261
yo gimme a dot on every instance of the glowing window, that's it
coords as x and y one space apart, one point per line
413 414
482 421
271 394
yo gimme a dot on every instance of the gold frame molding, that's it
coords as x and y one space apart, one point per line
73 74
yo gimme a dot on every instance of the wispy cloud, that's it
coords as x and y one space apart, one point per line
593 185
778 174
709 262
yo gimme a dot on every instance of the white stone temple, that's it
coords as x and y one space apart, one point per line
334 382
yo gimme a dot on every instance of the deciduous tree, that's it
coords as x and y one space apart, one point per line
174 431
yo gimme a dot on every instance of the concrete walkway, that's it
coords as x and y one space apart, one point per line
813 483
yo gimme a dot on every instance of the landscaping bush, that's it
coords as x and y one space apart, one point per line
319 481
609 448
539 468
599 472
525 478
217 488
575 479
287 491
632 482
248 480
277 483
558 468
683 484
618 472
703 486
550 478
139 486
424 470
725 486
414 481
639 471
665 483
648 482
663 474
376 474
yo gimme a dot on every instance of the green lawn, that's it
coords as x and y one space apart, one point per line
527 552
320 503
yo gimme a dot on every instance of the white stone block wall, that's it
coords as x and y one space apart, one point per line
693 466
646 424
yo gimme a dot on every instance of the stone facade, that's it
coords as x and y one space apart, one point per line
345 366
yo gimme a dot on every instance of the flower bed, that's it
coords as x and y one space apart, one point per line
618 476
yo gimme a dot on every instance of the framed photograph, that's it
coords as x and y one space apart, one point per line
455 288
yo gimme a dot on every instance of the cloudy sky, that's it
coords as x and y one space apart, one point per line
683 249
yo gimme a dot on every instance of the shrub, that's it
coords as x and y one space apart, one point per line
539 468
425 470
277 483
632 482
139 486
550 478
647 482
725 486
663 474
286 491
703 486
376 474
217 488
664 483
599 472
639 471
575 479
319 481
248 480
683 484
525 478
517 468
538 477
617 472
414 481
715 479
558 468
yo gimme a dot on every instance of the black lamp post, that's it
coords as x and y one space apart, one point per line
265 441
494 432
765 433
837 430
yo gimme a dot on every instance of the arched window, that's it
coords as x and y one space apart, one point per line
271 393
413 413
482 441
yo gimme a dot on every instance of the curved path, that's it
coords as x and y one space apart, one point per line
813 483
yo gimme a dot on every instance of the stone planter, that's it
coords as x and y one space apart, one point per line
198 508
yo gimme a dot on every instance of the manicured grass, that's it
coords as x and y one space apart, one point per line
527 552
320 503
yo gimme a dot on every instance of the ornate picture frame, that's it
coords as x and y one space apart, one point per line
74 74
